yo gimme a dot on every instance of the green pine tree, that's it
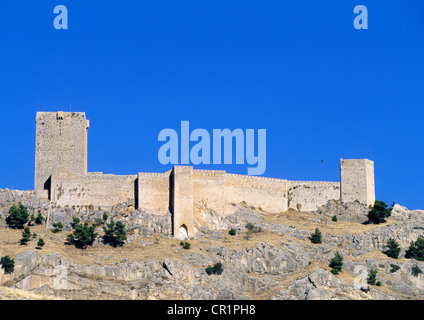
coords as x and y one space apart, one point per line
39 219
393 249
40 243
379 212
115 233
316 237
18 216
336 263
82 236
372 277
75 221
26 236
7 264
415 271
416 249
57 227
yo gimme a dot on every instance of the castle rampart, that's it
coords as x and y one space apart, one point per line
153 192
209 190
308 195
95 191
266 193
61 170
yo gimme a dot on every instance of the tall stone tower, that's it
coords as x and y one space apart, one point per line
182 203
61 144
357 181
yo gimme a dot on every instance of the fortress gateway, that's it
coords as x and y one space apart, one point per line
61 170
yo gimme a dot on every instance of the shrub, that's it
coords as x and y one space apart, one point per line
7 264
394 268
31 219
379 212
393 249
26 236
248 235
216 269
17 216
415 270
185 245
39 219
105 216
98 221
75 221
372 277
336 263
82 236
232 232
209 270
251 227
316 237
115 233
334 218
416 249
40 243
57 227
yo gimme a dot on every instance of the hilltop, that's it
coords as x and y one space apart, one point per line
275 261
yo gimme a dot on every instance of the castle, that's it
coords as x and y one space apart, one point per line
61 172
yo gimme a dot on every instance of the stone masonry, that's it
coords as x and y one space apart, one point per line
61 170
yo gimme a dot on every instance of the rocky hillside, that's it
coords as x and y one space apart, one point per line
274 261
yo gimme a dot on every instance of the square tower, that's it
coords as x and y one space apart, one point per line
61 144
357 181
182 201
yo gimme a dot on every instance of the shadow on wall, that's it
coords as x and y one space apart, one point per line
171 201
48 187
136 193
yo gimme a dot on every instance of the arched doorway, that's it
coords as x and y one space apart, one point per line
183 232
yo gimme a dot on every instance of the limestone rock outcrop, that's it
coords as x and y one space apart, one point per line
277 262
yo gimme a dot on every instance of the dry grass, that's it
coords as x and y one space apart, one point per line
164 247
9 245
160 248
17 294
307 221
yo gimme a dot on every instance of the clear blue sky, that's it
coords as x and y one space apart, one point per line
321 89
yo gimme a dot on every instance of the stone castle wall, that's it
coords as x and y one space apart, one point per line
209 190
309 195
153 192
61 169
91 190
266 193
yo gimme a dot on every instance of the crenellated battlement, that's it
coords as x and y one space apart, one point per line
153 175
109 177
314 183
241 176
209 173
